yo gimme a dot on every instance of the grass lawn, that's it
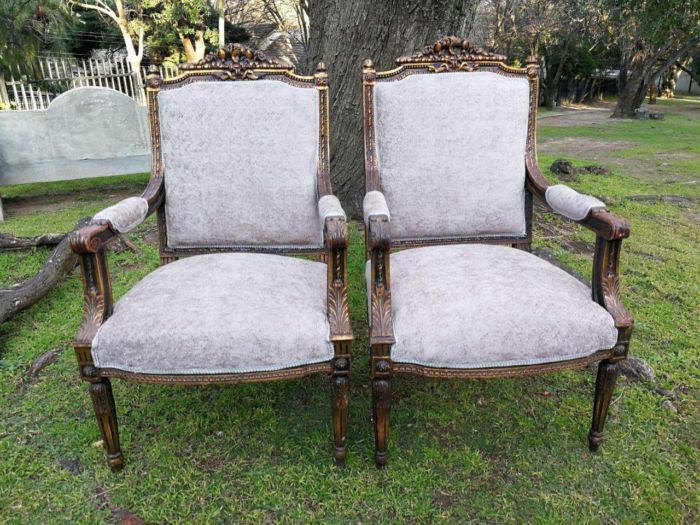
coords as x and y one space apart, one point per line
500 451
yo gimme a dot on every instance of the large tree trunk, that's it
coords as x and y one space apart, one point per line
62 260
632 95
190 53
194 46
645 70
343 35
551 87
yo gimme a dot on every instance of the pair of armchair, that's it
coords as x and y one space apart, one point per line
452 291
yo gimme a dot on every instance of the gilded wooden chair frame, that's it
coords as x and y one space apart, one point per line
451 54
240 64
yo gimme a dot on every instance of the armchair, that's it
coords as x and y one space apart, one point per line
451 169
252 184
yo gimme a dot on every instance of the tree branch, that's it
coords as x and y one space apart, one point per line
95 7
674 57
692 75
62 260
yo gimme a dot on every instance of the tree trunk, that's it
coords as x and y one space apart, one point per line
62 260
190 53
634 90
10 242
221 7
343 35
644 73
200 47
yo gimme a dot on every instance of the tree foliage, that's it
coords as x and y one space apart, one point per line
29 27
191 24
574 38
651 35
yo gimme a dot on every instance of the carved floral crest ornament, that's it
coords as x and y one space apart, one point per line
236 62
453 52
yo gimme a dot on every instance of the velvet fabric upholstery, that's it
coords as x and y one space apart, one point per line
454 168
479 306
329 206
240 164
125 215
570 203
220 313
374 203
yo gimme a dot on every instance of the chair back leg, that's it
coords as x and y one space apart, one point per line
105 410
604 386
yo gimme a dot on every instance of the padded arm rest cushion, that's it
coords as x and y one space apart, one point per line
125 215
374 203
329 206
570 203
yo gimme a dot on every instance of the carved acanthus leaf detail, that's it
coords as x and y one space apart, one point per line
453 51
338 314
613 302
93 314
381 318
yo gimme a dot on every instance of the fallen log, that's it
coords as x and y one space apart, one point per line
62 260
10 242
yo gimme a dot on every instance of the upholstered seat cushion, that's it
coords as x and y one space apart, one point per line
478 306
221 313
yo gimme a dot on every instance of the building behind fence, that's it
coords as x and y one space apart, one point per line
52 76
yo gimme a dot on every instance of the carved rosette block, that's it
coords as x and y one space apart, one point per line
321 76
153 78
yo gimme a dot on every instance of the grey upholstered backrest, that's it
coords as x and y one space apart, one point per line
451 153
240 163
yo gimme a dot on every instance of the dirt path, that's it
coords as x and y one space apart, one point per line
19 206
660 166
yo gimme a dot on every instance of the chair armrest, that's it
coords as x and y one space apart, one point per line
610 231
374 204
335 235
89 243
378 231
586 210
571 204
377 221
333 221
125 215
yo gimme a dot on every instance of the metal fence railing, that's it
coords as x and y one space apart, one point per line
50 76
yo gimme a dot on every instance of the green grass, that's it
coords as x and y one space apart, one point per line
501 451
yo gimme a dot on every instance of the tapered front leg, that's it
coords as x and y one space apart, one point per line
381 405
604 386
339 385
105 410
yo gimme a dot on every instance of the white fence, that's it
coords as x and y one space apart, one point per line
52 76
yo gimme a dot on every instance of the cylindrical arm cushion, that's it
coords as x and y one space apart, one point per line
125 215
570 203
374 203
329 206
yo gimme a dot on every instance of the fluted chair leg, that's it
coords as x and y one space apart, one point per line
340 417
381 402
105 410
604 386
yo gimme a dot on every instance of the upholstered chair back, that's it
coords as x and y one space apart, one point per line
240 159
450 153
